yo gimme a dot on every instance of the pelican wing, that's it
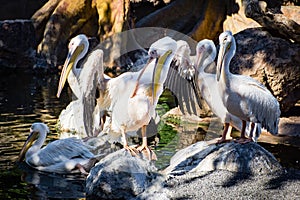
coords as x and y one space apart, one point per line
60 151
91 73
183 83
258 103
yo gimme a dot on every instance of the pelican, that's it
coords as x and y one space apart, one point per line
60 156
80 113
243 96
131 98
207 83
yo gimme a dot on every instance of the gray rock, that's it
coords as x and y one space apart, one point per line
120 176
248 158
17 43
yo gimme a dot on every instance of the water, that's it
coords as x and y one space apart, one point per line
30 97
24 98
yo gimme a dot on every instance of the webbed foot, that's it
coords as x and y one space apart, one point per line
147 152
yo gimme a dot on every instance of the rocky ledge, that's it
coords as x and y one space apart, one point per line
201 171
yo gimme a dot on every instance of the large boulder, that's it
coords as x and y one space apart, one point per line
17 43
120 176
248 158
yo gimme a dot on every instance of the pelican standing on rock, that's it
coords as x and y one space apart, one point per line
205 54
80 114
131 97
135 94
60 156
242 95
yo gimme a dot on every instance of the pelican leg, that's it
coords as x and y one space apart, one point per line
144 147
133 151
223 139
81 169
228 134
252 130
244 139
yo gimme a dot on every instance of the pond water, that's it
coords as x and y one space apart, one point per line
26 98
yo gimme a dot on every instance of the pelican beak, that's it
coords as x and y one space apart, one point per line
32 137
139 77
200 59
69 64
157 73
222 52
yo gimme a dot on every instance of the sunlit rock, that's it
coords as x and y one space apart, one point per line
248 158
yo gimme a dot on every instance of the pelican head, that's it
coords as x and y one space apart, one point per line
206 52
78 47
37 130
227 51
163 50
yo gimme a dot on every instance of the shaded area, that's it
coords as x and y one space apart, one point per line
47 185
19 9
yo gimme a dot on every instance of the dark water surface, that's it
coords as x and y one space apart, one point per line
26 98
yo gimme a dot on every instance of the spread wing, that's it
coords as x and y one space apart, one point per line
182 82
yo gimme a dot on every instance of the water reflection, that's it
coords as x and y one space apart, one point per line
46 185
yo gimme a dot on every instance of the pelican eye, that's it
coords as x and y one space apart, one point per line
202 48
71 44
153 54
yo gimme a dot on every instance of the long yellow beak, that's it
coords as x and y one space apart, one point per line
31 138
221 56
69 64
157 73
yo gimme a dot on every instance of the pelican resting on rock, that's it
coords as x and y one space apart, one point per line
130 98
60 156
207 83
243 96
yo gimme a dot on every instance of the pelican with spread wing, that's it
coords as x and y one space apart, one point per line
243 96
81 114
60 156
131 97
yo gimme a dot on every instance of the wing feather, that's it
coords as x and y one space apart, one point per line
60 151
259 103
183 87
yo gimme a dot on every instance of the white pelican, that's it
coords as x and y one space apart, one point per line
60 156
243 96
80 115
131 97
207 83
